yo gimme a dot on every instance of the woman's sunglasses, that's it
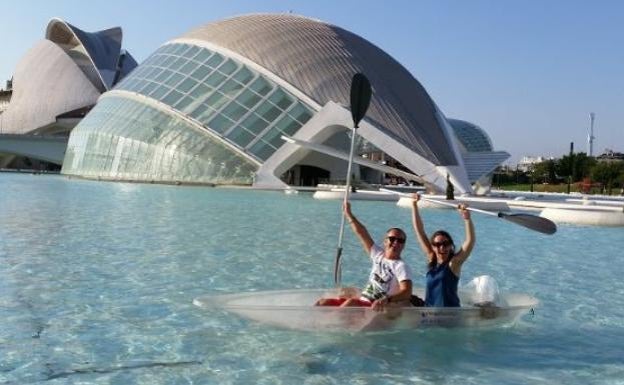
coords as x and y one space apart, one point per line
443 244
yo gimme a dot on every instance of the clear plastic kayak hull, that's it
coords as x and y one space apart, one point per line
294 309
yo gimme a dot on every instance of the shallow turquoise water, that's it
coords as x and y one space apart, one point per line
97 279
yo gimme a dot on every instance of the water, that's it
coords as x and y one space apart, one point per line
97 279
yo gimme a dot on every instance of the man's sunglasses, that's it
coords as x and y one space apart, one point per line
396 239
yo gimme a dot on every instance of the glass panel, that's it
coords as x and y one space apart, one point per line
188 67
163 76
191 52
243 75
215 60
153 73
201 72
288 125
167 48
149 61
131 84
167 62
186 85
220 123
280 99
262 150
261 86
185 102
160 60
202 55
268 111
240 136
174 80
248 99
216 100
300 113
215 79
231 87
178 63
139 84
254 123
274 137
180 49
159 92
172 98
200 91
228 67
234 111
203 113
139 72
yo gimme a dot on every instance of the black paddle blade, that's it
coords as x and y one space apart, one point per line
532 222
360 97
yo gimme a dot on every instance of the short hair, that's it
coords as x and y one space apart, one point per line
399 230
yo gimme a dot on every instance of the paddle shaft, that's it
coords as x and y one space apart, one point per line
361 92
337 269
542 225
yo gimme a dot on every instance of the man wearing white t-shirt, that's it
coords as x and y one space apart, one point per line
390 279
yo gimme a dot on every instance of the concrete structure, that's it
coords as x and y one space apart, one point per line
58 81
211 107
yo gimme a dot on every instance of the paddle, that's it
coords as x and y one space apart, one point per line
529 221
360 99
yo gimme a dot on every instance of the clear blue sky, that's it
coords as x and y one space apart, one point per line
529 72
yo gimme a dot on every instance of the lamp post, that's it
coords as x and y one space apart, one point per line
571 169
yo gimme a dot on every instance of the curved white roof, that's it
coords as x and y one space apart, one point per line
319 59
46 83
103 49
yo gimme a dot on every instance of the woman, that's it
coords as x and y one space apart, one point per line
444 262
390 279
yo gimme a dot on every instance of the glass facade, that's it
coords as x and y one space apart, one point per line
229 98
122 138
473 138
128 140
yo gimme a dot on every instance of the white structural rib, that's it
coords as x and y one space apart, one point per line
358 160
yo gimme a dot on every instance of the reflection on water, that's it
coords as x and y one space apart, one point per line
97 279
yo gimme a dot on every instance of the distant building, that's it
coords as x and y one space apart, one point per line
211 107
58 81
527 162
610 156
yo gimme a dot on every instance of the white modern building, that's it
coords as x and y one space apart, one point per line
58 81
212 105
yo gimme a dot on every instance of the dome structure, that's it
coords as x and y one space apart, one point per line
60 78
212 105
478 154
46 84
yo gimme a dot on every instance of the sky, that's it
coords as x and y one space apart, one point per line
528 72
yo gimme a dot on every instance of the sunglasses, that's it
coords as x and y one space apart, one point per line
443 244
396 239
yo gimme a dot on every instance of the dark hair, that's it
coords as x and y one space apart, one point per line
399 230
446 235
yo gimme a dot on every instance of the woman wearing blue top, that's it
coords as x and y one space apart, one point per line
443 261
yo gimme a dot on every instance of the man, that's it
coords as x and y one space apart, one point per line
390 279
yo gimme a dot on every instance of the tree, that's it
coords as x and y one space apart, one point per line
545 171
576 165
607 173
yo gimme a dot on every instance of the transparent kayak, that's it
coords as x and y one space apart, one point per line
294 309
